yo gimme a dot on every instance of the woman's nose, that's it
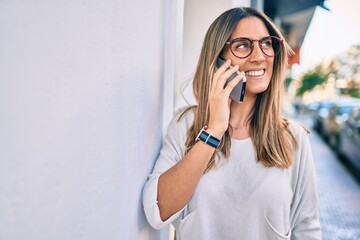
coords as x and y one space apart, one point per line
257 55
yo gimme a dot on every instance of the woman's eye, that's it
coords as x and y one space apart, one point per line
266 43
242 45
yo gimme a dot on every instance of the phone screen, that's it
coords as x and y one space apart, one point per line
237 94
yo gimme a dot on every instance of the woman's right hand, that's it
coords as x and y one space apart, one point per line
219 98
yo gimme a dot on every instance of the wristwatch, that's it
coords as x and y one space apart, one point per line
208 138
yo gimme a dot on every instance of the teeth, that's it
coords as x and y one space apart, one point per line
255 73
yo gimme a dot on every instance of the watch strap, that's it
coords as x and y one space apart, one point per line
208 138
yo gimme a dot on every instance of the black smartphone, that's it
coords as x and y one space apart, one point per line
237 94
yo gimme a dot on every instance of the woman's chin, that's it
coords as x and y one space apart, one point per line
257 89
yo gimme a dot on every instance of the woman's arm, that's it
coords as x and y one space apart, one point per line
304 212
177 184
173 181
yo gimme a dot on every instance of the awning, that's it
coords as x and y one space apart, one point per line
279 8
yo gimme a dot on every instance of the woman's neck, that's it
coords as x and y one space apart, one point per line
240 114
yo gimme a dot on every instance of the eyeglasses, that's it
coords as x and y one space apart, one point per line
243 47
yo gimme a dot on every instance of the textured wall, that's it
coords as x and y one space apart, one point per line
80 116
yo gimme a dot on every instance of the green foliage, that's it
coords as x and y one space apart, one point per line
353 92
344 66
349 64
313 78
287 82
348 68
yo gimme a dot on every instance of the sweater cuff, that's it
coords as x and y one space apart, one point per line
151 207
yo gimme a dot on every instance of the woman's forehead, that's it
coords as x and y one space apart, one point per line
250 27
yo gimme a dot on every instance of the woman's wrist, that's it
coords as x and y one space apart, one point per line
218 133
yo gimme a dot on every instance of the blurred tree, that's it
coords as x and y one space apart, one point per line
348 68
317 76
354 92
349 64
287 82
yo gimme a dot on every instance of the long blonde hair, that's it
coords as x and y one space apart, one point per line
271 136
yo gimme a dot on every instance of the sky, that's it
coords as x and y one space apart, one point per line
330 32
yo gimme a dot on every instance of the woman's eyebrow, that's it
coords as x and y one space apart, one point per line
251 38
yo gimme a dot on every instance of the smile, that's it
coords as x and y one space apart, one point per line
255 73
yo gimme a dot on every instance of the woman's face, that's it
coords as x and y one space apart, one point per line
258 67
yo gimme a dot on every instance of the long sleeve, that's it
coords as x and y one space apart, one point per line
304 209
171 152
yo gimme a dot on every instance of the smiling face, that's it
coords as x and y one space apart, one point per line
258 67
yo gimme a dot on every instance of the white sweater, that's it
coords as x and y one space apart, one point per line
241 199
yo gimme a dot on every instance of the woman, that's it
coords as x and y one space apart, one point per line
250 174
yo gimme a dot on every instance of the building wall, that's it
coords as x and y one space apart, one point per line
81 116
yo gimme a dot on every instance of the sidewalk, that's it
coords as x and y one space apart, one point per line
339 191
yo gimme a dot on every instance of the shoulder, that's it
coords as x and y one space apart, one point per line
303 166
302 150
182 121
184 117
303 154
298 130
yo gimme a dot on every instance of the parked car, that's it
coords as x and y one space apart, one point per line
349 138
312 107
321 113
337 115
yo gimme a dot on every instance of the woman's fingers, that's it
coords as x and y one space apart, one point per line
222 74
223 77
222 69
231 85
220 77
218 74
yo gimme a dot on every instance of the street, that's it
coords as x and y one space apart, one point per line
339 190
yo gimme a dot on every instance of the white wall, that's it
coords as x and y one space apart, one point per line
81 92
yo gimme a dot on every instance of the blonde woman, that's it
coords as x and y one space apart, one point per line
232 169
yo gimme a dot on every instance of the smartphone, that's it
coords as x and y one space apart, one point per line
237 94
